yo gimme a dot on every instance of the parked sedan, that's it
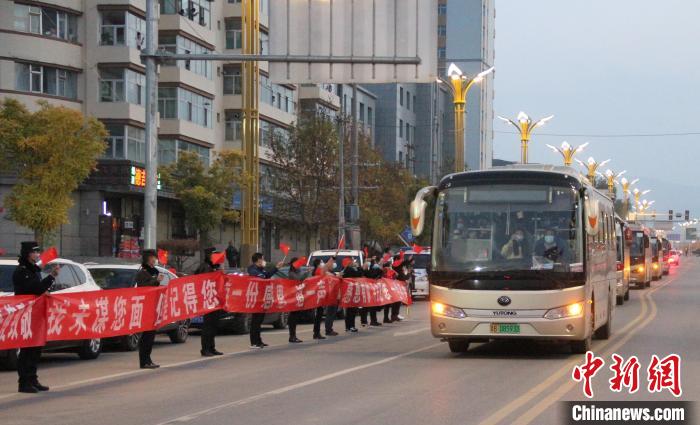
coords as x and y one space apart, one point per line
73 277
116 276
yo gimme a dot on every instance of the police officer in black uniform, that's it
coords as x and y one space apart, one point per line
27 281
211 320
147 275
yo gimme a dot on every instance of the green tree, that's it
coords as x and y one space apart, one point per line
50 151
205 192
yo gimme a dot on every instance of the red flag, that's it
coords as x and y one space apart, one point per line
341 243
347 261
163 256
299 263
401 255
218 258
49 255
284 248
366 251
396 263
386 258
417 249
172 270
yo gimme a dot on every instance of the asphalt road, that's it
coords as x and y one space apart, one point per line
397 374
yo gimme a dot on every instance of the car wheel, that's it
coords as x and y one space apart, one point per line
90 349
281 323
241 324
10 361
179 335
130 342
458 345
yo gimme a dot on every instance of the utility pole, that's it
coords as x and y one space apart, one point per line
150 203
341 164
355 206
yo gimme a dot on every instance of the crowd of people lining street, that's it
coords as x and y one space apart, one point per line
27 280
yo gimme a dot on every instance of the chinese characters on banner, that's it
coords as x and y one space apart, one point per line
31 321
662 374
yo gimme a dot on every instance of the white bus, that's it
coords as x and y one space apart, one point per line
520 252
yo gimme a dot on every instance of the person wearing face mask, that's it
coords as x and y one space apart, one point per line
372 271
210 320
552 247
320 269
516 247
257 269
351 270
26 280
148 275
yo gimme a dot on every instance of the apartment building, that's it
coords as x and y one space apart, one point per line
86 56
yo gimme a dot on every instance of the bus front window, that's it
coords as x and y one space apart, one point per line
506 228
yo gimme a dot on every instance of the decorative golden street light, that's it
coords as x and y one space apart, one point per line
592 167
567 151
525 126
459 86
611 179
626 187
637 196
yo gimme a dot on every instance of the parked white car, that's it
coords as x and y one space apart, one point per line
73 277
326 254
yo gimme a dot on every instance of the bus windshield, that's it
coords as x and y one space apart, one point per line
637 245
507 227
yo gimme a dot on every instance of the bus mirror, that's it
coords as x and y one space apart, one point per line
417 210
646 242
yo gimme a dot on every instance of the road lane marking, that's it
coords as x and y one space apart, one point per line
413 332
282 390
545 403
502 413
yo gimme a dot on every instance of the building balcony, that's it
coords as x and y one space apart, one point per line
180 23
269 111
117 111
316 92
41 50
177 127
176 74
233 101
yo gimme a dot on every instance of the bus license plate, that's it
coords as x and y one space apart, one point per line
505 328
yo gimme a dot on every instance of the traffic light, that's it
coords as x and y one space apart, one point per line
670 215
687 215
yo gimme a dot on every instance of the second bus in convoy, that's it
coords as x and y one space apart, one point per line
525 251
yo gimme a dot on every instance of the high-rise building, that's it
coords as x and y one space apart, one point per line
86 56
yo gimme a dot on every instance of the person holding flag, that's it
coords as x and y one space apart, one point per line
212 262
295 273
351 270
27 280
257 269
147 276
372 270
320 270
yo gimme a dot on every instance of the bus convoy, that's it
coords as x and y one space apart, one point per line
531 252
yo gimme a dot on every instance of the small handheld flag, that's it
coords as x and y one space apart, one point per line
163 256
218 258
49 255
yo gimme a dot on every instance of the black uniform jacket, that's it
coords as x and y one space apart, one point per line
27 279
147 276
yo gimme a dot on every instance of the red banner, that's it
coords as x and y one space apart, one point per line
27 321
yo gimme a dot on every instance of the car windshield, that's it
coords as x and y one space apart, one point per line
6 272
421 261
338 261
113 278
637 244
499 227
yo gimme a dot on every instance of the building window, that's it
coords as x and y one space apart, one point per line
442 52
121 28
408 132
362 113
442 9
167 151
233 125
414 102
201 151
45 79
401 157
46 21
370 118
125 142
264 43
233 79
400 128
194 10
269 131
178 103
281 97
234 34
122 85
401 96
178 44
442 31
408 100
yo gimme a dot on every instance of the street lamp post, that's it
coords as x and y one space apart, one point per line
525 126
567 151
592 167
459 85
611 178
626 184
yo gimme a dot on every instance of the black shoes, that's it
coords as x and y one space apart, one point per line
295 340
211 353
40 387
387 320
27 388
150 365
375 324
331 333
351 330
319 336
216 352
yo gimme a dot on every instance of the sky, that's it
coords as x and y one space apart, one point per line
606 67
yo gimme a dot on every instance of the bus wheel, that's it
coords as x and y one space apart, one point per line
605 331
458 345
620 299
627 294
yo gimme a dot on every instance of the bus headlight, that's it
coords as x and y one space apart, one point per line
571 310
640 269
440 309
656 266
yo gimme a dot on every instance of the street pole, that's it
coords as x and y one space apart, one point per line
341 163
355 150
150 203
250 217
459 133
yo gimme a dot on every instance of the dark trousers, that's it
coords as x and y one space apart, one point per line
146 346
331 310
350 314
394 308
26 364
255 324
318 318
372 314
209 326
292 321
